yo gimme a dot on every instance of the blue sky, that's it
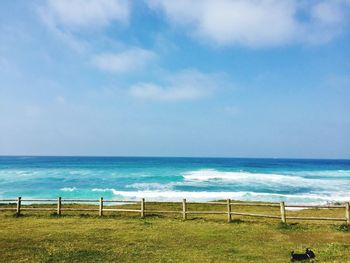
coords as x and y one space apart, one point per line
226 78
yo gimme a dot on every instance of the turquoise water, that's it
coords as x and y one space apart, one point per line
128 178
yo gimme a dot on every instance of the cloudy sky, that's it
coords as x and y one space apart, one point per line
234 78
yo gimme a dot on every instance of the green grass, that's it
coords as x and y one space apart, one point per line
120 237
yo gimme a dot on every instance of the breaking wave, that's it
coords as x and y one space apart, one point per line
256 179
68 189
209 196
209 175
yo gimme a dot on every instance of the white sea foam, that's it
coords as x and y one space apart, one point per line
208 196
68 189
257 179
152 186
324 173
319 190
101 190
210 175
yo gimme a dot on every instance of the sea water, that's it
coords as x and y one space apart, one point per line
197 179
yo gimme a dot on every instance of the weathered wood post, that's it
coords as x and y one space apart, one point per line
143 208
229 216
283 212
59 205
347 213
18 210
101 207
184 215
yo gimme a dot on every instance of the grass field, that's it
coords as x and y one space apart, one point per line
120 237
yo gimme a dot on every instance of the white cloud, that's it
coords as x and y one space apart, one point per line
161 93
64 18
182 86
327 20
129 60
328 12
76 14
256 22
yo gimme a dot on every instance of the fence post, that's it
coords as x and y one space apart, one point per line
142 207
347 212
101 207
18 210
283 212
229 217
59 204
184 215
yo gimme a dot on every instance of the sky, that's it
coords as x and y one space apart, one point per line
219 78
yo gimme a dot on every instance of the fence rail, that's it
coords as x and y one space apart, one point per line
183 205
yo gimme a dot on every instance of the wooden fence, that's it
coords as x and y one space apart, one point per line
229 205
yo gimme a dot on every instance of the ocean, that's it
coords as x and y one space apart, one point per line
171 179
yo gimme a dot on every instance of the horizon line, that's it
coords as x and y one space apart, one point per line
155 156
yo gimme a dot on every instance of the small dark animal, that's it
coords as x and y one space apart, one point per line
308 255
